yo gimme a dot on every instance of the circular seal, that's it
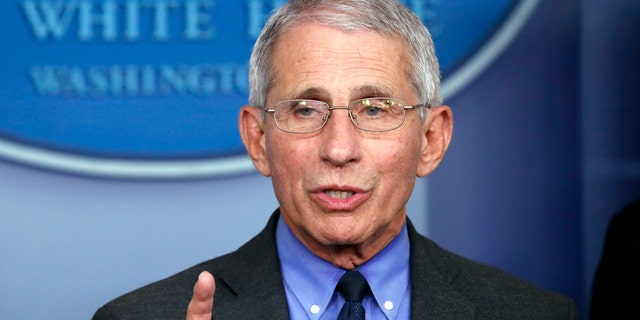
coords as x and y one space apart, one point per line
150 90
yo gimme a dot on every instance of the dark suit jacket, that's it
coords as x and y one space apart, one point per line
249 286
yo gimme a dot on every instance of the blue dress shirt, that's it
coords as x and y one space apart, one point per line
310 281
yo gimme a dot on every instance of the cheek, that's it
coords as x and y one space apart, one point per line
397 155
287 162
400 173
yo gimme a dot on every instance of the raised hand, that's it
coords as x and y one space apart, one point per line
201 304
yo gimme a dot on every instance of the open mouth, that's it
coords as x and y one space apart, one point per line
338 194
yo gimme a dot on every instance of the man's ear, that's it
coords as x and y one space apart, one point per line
251 125
437 131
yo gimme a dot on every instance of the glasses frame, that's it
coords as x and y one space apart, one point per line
352 116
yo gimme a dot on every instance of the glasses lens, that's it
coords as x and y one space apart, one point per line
377 114
300 116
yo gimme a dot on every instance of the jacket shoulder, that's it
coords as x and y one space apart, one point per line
164 299
237 274
479 289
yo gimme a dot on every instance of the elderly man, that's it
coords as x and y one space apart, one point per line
345 114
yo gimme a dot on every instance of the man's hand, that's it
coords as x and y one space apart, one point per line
201 305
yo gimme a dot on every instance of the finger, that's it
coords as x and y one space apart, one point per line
201 305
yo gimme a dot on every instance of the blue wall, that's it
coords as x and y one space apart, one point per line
509 191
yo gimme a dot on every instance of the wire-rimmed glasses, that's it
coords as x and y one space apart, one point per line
377 114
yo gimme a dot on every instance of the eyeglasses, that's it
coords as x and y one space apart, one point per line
370 114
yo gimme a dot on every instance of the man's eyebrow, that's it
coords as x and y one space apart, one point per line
363 91
312 93
371 91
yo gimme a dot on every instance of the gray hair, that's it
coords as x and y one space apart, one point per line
387 17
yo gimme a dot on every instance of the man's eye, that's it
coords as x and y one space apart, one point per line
372 111
305 111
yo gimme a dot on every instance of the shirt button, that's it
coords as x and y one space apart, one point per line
315 309
388 305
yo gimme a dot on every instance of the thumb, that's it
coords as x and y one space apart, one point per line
201 304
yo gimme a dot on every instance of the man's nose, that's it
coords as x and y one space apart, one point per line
340 138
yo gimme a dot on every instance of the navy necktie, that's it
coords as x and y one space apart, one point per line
354 287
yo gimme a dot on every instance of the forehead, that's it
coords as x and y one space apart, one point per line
313 59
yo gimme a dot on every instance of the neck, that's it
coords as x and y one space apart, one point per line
352 256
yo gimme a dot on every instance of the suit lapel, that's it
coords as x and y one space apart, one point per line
250 281
432 296
253 280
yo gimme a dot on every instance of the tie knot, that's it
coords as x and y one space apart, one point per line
353 286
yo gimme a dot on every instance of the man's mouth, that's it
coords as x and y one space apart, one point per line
338 194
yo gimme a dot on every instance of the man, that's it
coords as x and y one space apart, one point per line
346 113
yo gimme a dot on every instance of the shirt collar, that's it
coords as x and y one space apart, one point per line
387 272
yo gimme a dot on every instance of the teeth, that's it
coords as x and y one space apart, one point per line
338 194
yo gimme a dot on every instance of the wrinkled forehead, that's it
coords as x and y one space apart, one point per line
316 61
